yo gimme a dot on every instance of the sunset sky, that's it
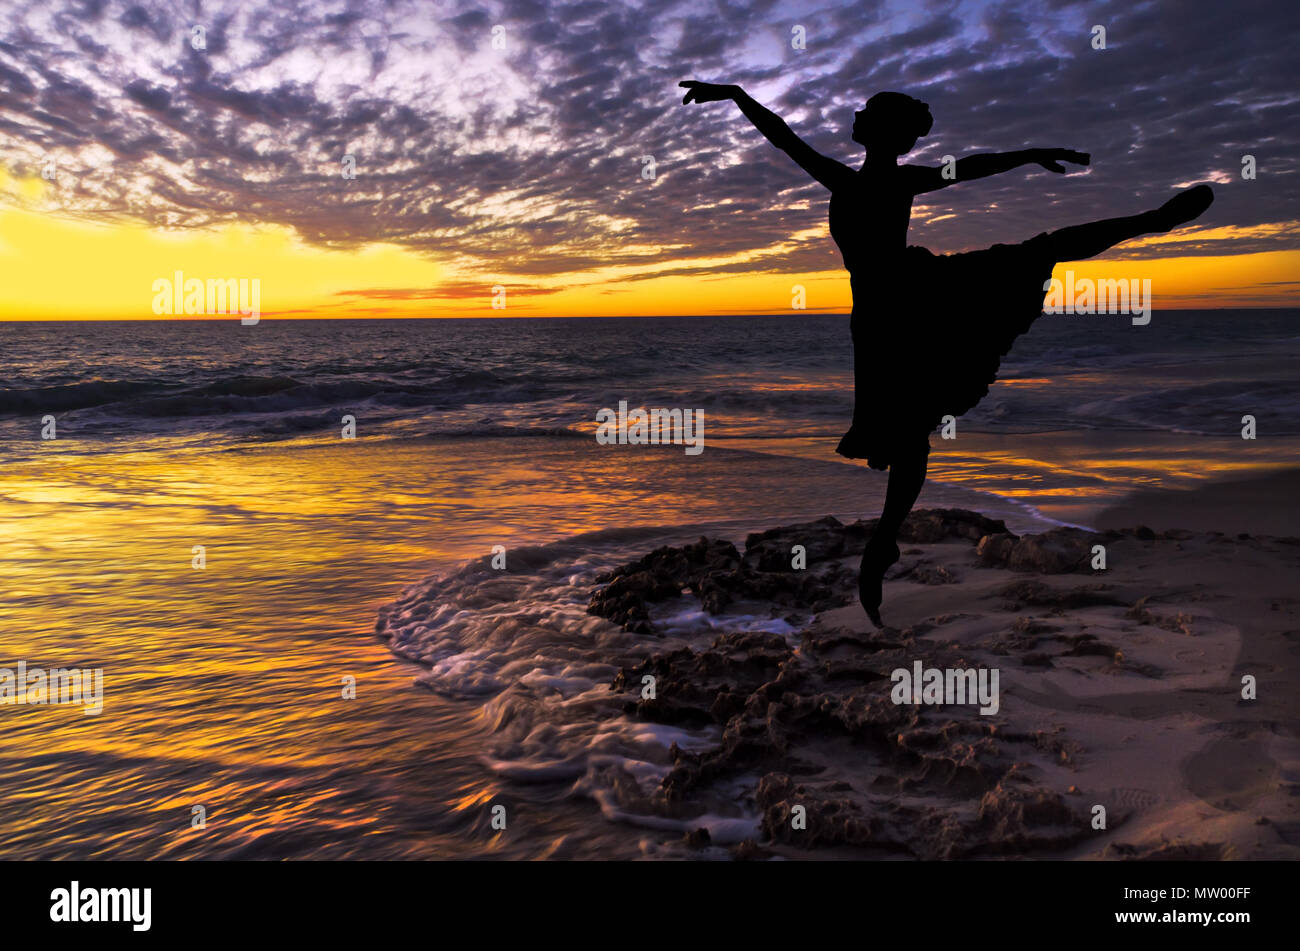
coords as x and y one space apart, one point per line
522 167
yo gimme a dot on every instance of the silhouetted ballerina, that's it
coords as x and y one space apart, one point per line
928 330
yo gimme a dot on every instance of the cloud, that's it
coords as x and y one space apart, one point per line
528 160
450 290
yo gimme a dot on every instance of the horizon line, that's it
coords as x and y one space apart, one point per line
229 318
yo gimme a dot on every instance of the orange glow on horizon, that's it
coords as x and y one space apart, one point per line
60 268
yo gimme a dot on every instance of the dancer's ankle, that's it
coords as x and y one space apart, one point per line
881 549
1156 221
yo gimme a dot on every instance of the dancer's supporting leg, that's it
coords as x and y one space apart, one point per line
1083 241
906 476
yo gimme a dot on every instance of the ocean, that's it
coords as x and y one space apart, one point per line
368 559
217 383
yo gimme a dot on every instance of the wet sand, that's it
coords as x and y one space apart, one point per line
1258 504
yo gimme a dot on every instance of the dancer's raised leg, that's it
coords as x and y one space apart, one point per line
906 477
1083 241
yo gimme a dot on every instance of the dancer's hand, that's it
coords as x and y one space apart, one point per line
1051 159
708 92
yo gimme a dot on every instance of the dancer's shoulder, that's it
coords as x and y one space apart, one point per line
923 178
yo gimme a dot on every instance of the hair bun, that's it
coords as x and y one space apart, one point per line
910 111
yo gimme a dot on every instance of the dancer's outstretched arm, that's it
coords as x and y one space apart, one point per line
826 170
926 179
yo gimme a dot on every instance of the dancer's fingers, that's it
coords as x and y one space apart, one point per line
1069 155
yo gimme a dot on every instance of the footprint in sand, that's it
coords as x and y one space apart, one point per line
1133 799
1231 773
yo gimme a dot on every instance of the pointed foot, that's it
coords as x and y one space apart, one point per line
1188 205
875 562
870 594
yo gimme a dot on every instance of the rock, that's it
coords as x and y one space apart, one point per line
926 526
750 851
993 551
1019 818
1037 593
698 839
822 540
1059 551
715 572
930 574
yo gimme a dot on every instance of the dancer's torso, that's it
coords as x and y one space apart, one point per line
868 221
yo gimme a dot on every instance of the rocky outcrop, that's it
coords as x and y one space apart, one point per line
1056 552
796 567
831 763
781 708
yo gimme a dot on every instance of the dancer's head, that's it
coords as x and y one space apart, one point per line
891 122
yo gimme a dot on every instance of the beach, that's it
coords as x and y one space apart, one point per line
223 686
366 565
1121 690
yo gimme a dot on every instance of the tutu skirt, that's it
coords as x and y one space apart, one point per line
929 342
